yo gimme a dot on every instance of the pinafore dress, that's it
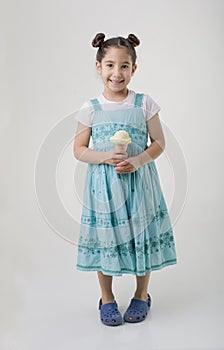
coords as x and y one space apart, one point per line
125 225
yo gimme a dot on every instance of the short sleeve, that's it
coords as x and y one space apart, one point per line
150 107
85 114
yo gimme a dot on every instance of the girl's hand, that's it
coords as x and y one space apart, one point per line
128 166
113 158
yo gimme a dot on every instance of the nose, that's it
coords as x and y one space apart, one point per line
116 72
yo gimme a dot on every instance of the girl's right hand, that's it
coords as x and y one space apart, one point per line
113 157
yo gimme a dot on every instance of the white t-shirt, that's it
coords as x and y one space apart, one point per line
86 112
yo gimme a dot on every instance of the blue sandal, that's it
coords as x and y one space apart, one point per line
109 313
137 310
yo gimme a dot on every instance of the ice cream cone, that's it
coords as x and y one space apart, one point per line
121 139
120 148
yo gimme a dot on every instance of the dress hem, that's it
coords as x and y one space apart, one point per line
126 271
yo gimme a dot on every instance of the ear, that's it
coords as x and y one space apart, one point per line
98 67
134 67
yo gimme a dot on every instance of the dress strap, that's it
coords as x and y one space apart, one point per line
96 104
138 100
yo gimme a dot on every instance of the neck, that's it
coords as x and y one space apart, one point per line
117 96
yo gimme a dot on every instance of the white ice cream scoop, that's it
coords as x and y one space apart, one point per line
121 139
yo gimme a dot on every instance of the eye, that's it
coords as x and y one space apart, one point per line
125 66
109 65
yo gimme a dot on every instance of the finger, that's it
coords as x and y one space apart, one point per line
124 162
121 170
122 166
124 169
121 157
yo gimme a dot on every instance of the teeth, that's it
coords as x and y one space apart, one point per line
114 81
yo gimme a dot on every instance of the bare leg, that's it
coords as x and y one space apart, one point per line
106 287
142 287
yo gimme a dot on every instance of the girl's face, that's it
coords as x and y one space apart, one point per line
116 70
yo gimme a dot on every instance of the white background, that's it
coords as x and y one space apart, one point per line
47 72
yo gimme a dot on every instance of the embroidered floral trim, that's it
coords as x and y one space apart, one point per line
108 221
133 247
102 132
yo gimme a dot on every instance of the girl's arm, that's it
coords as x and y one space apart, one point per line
87 155
156 147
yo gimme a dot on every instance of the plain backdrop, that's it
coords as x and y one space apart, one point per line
47 72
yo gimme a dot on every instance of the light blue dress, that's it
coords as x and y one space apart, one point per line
125 226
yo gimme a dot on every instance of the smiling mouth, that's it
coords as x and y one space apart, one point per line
116 82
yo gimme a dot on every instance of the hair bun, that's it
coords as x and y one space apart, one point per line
98 40
133 40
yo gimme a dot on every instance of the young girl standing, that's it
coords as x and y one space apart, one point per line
125 225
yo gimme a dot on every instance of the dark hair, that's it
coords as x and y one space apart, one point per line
129 43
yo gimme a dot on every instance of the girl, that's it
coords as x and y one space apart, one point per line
125 226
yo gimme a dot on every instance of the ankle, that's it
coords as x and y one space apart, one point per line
107 298
141 295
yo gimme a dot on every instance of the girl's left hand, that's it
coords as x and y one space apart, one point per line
129 165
